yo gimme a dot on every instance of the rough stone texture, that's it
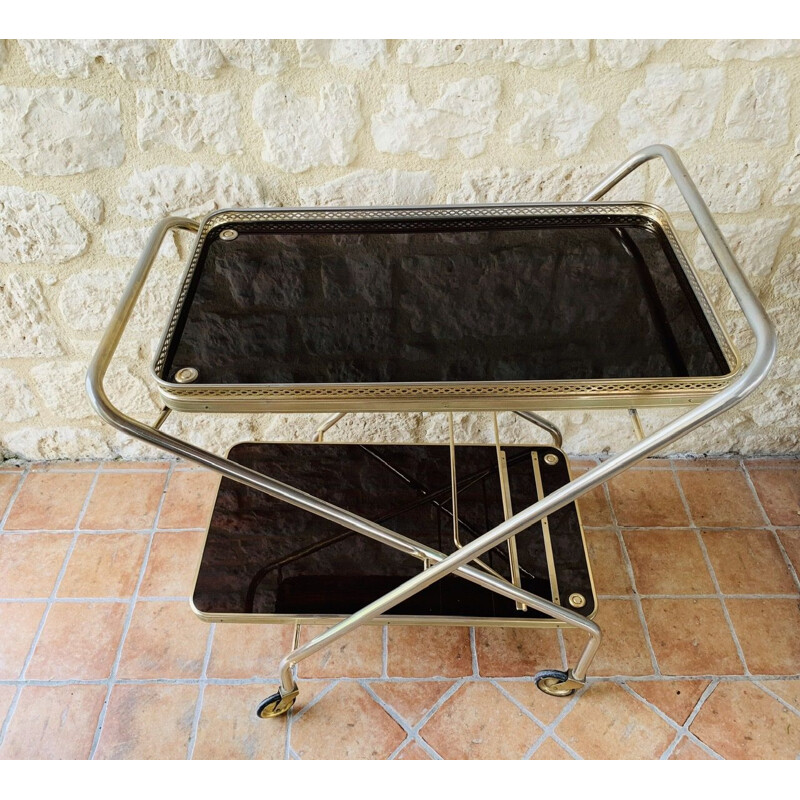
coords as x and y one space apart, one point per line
17 403
354 53
70 58
726 188
371 187
45 444
186 191
301 132
188 121
674 106
35 226
538 53
52 313
129 243
25 320
557 184
58 131
760 110
626 53
465 113
202 58
563 116
90 206
753 49
788 181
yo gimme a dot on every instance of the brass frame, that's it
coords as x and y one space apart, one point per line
453 396
483 622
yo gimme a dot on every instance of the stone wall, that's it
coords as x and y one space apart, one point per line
100 138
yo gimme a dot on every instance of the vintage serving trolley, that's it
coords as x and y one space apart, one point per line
489 307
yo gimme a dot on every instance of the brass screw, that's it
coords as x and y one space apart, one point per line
551 459
186 375
577 600
228 235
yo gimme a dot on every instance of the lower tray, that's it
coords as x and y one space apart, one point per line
267 561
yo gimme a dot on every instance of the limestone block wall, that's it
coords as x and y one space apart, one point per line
100 138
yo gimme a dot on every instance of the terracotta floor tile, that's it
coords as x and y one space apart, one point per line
608 565
740 721
676 699
346 724
49 501
190 499
248 650
550 751
124 501
429 652
779 492
357 655
19 623
65 466
54 722
691 637
706 464
412 752
308 693
7 693
516 652
128 466
172 564
543 706
30 563
79 642
790 539
687 750
667 562
411 700
720 499
769 633
748 562
647 498
8 485
788 690
165 640
608 723
479 722
624 648
594 508
791 462
104 565
230 729
148 721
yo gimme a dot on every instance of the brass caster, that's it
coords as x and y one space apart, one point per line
557 683
276 705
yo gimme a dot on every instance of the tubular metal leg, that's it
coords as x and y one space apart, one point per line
458 562
327 424
544 424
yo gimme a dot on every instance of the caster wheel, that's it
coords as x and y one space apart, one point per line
556 683
276 705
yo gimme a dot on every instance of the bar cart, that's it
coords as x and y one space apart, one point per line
520 308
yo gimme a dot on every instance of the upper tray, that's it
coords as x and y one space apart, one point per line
505 307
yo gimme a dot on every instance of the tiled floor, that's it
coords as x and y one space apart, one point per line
696 564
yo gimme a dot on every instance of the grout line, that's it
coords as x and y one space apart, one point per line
473 646
712 573
777 697
635 596
201 693
385 652
128 618
48 606
13 499
774 529
117 531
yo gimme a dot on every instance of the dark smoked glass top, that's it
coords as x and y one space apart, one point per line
506 299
